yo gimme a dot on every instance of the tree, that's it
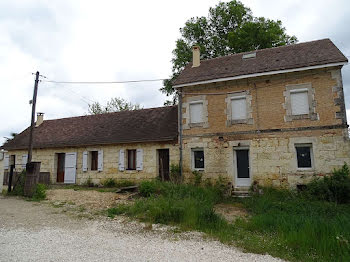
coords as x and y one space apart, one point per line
114 105
229 28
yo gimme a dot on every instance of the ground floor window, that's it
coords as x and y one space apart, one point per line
198 159
132 159
304 155
94 160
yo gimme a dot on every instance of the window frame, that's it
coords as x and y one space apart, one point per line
193 150
128 161
241 97
309 145
92 154
296 91
248 103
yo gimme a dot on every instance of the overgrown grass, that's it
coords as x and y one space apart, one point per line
282 223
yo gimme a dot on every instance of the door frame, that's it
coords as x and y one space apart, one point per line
158 162
244 182
57 165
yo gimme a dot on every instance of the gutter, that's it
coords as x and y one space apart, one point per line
260 74
180 129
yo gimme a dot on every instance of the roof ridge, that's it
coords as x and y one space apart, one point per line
109 113
267 48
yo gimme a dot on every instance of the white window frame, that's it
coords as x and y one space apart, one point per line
202 116
310 145
193 161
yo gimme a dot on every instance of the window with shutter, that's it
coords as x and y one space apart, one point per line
85 161
100 161
139 159
239 108
6 161
121 160
196 112
24 160
299 102
93 160
131 159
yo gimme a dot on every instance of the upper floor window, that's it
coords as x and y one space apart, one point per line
299 101
196 112
238 107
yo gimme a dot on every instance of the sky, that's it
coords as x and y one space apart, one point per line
82 40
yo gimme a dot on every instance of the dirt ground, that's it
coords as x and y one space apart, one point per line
32 231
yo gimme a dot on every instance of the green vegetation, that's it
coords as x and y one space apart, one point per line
286 224
39 192
108 185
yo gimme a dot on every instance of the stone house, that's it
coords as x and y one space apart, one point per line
275 116
130 145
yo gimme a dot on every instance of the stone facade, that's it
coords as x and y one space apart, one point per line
48 159
270 133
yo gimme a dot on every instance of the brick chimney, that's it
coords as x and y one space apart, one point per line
196 56
39 119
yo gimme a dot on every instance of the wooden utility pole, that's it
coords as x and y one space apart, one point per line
30 146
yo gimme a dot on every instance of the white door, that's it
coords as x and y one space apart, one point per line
70 168
242 167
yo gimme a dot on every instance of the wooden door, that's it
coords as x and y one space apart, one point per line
60 167
164 164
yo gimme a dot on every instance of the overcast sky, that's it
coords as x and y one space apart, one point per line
100 40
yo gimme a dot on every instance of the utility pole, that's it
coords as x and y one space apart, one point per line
30 146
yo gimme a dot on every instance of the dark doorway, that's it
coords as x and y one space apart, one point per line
163 164
242 163
60 167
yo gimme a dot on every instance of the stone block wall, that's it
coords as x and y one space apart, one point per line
48 159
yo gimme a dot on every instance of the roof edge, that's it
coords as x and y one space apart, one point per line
260 74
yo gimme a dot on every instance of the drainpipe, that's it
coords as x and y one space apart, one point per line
180 128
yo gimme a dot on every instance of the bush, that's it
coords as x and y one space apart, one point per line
109 182
335 188
124 183
18 189
147 188
175 174
39 192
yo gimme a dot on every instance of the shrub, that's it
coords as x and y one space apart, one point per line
175 174
147 188
39 192
124 183
18 189
109 182
197 177
335 188
88 183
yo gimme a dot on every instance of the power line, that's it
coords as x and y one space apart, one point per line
104 82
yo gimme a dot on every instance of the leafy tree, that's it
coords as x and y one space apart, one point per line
229 28
114 105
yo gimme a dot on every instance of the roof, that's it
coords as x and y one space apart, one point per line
144 125
315 53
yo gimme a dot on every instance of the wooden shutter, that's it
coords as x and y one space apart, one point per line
122 160
24 160
100 160
70 168
239 108
139 159
196 113
6 161
299 102
85 161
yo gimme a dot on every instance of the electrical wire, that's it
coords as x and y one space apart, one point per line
104 82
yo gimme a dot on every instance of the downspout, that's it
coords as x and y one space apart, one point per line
180 128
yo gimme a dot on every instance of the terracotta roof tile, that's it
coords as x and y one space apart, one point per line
272 59
145 125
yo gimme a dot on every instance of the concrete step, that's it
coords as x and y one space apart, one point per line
240 193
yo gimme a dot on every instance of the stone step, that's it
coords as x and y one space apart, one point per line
240 193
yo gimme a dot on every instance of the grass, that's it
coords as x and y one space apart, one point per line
281 223
110 187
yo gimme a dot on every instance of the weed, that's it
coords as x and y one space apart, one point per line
39 192
109 182
175 174
147 188
197 177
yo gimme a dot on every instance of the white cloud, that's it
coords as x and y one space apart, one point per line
118 40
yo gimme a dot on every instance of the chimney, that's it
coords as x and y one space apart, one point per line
39 119
196 56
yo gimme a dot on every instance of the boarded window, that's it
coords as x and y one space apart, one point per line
132 159
198 159
304 156
94 160
299 102
196 113
238 108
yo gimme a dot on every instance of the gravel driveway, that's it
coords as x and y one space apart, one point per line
38 232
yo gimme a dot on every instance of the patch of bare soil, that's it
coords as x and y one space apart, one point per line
231 211
89 199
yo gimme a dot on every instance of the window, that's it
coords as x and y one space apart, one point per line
304 155
198 159
132 159
299 101
94 160
238 108
196 112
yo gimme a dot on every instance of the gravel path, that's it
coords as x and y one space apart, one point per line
37 232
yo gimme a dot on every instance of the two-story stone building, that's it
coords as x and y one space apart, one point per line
276 116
